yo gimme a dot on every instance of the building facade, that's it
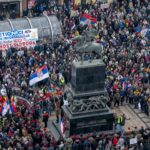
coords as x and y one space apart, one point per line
12 8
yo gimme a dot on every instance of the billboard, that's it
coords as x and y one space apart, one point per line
18 38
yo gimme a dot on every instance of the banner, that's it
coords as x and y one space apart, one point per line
18 43
133 141
105 6
27 34
18 38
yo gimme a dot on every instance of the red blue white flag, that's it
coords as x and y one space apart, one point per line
39 75
6 107
87 19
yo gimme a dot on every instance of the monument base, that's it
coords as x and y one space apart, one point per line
83 123
58 135
87 115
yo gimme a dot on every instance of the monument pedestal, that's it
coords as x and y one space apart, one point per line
94 117
87 110
86 94
87 79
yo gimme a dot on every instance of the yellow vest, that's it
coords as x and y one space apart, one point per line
119 120
62 80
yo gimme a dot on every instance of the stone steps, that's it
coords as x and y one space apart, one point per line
141 115
132 119
54 130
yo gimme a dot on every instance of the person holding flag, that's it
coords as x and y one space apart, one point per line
13 105
5 106
8 106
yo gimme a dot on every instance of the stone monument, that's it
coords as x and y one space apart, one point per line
86 111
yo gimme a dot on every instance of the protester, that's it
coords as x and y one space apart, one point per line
45 118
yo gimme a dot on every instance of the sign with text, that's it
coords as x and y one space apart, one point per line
133 141
18 43
18 38
27 34
105 6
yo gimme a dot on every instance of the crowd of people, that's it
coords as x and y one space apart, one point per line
123 31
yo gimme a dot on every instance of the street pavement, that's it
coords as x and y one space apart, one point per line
133 118
142 116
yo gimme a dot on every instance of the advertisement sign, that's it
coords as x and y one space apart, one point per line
18 43
18 38
27 34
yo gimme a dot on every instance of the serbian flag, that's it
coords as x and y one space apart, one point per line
13 105
5 107
62 126
39 75
87 19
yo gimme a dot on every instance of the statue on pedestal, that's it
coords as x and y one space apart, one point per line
86 44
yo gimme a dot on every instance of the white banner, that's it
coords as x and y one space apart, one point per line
133 141
27 34
105 6
18 38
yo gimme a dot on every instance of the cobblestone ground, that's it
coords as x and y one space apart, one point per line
133 120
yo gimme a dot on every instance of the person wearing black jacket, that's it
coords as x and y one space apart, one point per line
45 118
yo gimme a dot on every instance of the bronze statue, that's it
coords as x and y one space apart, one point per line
85 44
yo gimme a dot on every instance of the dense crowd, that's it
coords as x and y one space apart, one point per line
123 30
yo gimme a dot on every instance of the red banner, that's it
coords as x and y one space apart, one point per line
18 43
